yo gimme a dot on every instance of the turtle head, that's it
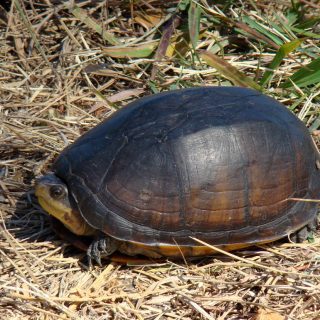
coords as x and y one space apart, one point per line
52 194
54 198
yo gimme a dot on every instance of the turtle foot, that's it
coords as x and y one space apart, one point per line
302 234
100 247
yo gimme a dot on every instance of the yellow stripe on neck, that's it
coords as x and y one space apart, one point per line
70 218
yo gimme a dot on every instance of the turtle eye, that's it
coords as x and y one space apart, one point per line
57 192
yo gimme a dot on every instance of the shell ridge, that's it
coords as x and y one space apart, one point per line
246 187
182 198
116 154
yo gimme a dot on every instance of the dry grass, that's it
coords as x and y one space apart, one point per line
58 79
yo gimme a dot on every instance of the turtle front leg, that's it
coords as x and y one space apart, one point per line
102 246
303 233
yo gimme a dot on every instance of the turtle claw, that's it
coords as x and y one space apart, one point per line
102 246
93 253
302 234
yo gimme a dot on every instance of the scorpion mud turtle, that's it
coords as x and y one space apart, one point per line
226 165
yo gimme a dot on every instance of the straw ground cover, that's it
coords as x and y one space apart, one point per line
65 66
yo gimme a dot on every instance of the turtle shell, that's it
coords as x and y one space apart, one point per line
216 163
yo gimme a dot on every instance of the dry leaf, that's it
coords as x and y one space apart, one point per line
148 21
264 314
227 70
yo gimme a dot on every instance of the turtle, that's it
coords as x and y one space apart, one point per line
228 166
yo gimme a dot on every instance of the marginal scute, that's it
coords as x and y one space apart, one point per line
214 163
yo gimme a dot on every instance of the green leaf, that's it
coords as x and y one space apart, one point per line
262 29
283 51
305 76
228 71
139 51
291 18
306 33
283 29
194 15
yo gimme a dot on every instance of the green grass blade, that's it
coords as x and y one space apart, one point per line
305 76
139 51
228 71
194 15
259 27
283 51
306 33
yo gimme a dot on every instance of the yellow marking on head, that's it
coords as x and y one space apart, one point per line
72 219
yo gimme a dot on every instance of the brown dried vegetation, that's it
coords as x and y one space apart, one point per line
64 68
